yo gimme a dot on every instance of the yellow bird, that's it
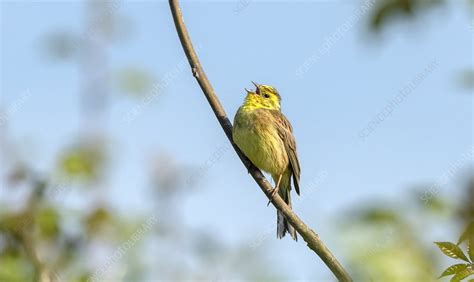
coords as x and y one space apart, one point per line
265 136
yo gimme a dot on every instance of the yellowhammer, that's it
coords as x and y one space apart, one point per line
265 136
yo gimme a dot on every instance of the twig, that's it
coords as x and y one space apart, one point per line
309 236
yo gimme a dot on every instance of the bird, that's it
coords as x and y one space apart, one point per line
265 137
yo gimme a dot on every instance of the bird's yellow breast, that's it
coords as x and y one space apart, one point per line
256 136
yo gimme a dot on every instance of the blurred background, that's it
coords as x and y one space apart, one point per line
114 168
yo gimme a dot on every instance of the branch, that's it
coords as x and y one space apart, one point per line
309 236
42 273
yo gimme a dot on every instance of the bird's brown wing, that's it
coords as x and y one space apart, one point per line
286 134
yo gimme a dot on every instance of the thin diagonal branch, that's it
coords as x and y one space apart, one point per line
309 236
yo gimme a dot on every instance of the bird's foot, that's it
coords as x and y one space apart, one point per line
272 195
275 190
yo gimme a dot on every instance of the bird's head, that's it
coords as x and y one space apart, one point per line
263 97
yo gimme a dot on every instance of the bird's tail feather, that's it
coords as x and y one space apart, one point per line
283 225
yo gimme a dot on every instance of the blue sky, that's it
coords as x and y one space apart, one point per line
267 42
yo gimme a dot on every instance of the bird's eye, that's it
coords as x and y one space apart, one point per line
266 95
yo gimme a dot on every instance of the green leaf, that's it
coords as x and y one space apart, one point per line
451 250
467 234
97 220
453 269
460 275
47 220
84 161
470 249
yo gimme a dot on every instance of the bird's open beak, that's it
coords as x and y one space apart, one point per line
248 91
256 87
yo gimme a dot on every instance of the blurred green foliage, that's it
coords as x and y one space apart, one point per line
466 78
386 242
389 10
83 162
382 245
134 81
47 219
44 237
61 46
